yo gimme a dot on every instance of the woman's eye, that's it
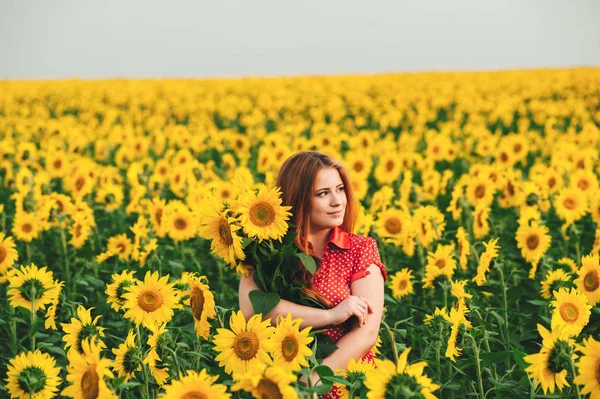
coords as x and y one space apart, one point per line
341 189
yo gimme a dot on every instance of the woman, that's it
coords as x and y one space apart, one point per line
350 276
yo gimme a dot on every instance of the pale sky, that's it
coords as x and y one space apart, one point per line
100 39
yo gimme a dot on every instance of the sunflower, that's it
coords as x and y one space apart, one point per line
481 223
245 346
401 283
441 262
120 245
589 278
480 191
8 255
152 301
585 180
439 314
455 207
388 168
355 374
81 328
358 164
463 247
156 211
265 381
117 288
32 375
429 224
485 260
534 241
570 204
594 205
26 226
30 287
86 372
555 279
111 196
195 385
290 344
156 356
393 225
589 368
202 304
571 311
549 366
215 224
572 266
50 322
398 380
179 221
128 357
57 164
458 290
262 214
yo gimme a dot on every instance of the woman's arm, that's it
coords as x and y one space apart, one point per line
311 317
359 340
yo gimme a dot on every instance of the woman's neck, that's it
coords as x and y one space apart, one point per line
318 239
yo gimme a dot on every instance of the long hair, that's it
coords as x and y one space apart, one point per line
296 178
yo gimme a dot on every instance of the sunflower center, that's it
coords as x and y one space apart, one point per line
180 223
358 166
57 164
480 191
225 232
194 395
389 166
267 389
246 345
533 241
583 184
89 383
3 253
289 348
569 312
79 183
78 229
503 157
32 379
510 188
197 302
532 199
262 214
552 182
121 248
393 225
402 285
27 227
158 215
590 281
441 263
570 203
149 301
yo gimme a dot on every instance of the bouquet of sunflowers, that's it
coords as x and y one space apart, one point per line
252 233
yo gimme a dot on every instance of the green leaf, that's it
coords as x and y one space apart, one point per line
263 302
323 372
325 345
495 357
308 262
519 355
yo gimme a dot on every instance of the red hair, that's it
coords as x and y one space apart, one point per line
296 179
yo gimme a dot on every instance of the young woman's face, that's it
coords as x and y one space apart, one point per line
328 204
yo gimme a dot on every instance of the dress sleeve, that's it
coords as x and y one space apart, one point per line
368 255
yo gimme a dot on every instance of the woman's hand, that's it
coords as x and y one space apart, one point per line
353 305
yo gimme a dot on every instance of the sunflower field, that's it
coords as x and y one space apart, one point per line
125 207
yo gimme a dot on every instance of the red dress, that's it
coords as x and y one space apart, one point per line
345 259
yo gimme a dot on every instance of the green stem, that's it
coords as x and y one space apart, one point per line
392 340
477 364
28 253
33 317
144 366
63 239
506 326
573 371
